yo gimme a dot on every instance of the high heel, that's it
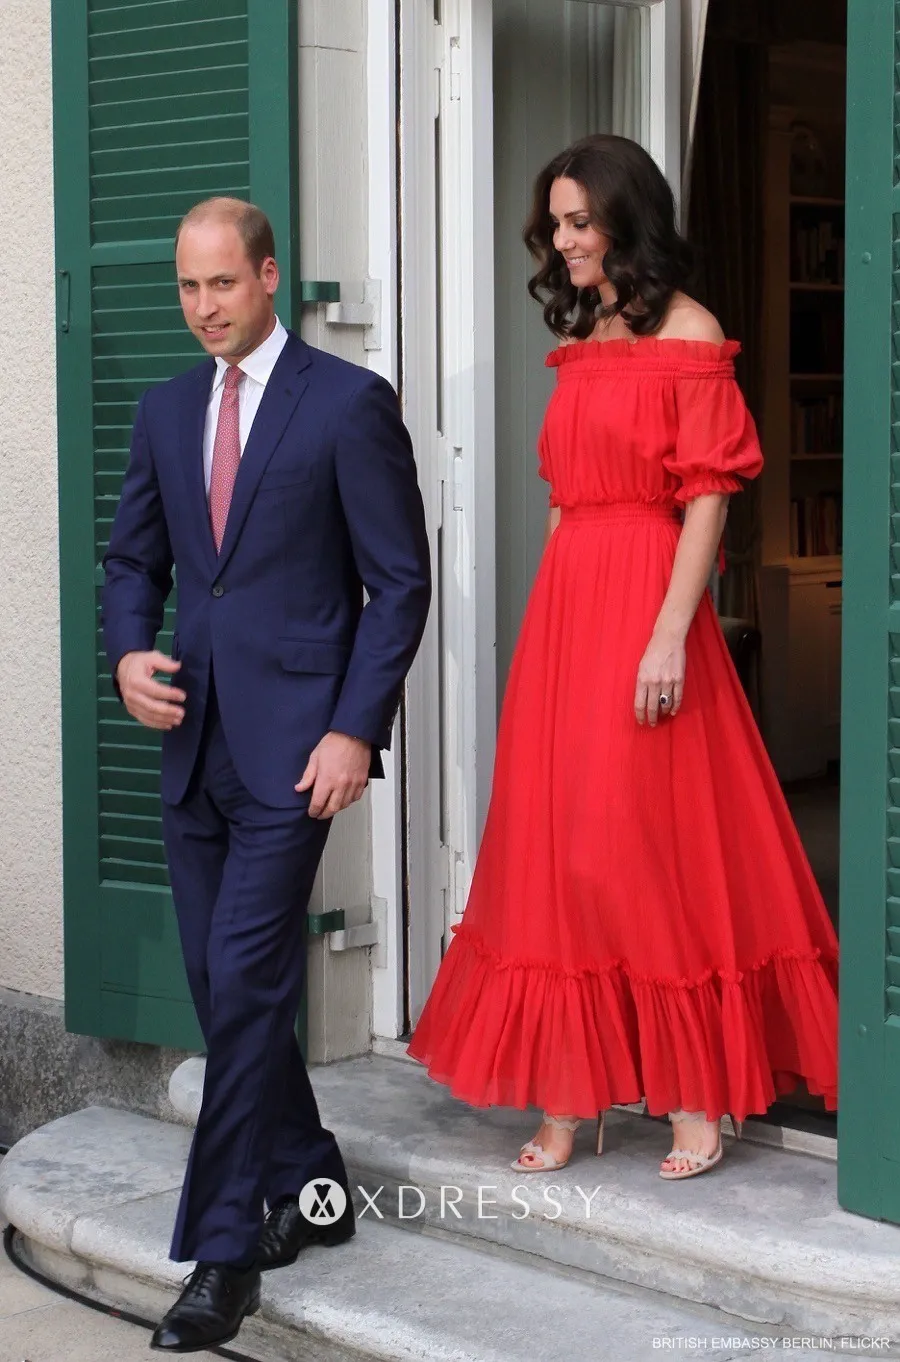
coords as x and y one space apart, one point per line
551 1165
696 1163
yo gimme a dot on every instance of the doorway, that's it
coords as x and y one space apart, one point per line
764 209
870 822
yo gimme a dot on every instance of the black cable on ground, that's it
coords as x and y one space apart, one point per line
110 1310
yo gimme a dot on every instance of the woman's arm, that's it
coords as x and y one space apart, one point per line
663 664
552 523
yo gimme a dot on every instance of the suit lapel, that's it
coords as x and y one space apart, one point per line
283 391
193 421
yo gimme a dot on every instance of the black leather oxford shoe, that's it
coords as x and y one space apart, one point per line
287 1230
209 1310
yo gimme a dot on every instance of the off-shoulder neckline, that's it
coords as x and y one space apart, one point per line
660 346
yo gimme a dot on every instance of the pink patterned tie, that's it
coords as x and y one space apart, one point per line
226 454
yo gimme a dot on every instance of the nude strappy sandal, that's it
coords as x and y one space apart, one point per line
697 1163
550 1165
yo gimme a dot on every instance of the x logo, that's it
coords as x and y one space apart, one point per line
323 1201
322 1208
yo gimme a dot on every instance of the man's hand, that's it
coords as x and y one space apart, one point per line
338 771
153 703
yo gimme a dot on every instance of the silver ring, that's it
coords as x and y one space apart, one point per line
665 700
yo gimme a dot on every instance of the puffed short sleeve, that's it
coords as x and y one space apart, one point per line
544 467
716 443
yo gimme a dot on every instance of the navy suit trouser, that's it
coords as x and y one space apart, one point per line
241 876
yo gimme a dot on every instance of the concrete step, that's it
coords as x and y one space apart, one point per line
762 1237
94 1196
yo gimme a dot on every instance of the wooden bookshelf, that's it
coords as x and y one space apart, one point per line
802 486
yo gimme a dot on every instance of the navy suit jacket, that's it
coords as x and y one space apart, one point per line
325 502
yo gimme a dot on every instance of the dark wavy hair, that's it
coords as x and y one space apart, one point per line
631 203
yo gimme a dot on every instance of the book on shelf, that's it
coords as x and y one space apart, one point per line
817 424
816 526
817 252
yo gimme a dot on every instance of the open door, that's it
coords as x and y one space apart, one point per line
869 1121
508 84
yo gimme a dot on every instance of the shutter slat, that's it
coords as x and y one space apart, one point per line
166 132
128 732
136 114
209 70
135 160
162 226
158 185
208 33
138 850
116 14
128 780
129 802
129 873
129 825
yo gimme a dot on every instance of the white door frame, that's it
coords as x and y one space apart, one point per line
449 66
664 131
386 796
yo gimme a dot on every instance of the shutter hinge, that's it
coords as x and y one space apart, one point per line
453 886
360 305
457 478
363 934
446 857
455 70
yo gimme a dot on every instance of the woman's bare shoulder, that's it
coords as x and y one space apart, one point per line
687 319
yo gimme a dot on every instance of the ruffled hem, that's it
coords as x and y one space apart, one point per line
718 484
519 1033
670 353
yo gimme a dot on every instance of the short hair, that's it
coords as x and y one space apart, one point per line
253 227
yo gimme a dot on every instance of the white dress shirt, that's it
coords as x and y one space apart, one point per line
257 368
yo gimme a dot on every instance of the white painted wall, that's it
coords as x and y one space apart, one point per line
30 801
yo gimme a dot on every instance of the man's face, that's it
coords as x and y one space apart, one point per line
228 306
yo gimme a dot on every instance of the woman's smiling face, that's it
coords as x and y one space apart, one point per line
581 244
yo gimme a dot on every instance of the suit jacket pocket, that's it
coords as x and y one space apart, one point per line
283 478
310 655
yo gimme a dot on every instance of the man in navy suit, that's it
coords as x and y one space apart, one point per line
279 482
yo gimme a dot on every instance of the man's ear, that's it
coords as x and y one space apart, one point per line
269 275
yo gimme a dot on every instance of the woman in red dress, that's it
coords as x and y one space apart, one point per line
642 922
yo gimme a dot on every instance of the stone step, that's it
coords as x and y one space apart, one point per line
762 1236
94 1196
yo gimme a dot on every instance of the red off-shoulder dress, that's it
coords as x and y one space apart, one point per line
643 921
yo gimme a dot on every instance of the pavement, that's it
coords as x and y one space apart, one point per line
37 1325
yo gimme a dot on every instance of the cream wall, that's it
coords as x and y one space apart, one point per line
30 805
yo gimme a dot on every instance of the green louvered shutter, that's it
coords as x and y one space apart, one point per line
869 1122
157 104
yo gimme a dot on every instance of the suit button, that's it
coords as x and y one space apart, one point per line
218 591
